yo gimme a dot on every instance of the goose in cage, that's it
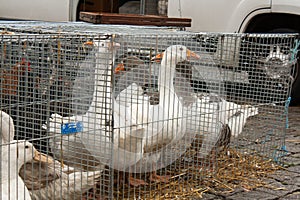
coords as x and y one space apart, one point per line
44 177
57 181
14 153
208 115
162 120
92 144
216 120
127 121
70 147
133 70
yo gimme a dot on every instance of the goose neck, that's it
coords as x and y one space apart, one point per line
166 75
103 78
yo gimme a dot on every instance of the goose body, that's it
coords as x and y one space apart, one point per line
14 154
7 127
72 148
213 117
163 121
52 181
13 157
95 139
237 121
69 148
169 111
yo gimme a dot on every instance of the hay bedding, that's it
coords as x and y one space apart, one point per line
232 171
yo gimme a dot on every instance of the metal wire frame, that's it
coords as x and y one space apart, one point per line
58 77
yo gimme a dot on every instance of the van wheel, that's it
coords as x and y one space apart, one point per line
295 92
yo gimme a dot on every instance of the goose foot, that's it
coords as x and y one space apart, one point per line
159 179
136 182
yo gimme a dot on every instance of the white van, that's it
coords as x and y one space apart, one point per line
243 16
209 15
240 16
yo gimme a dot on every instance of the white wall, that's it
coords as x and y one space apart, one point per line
48 10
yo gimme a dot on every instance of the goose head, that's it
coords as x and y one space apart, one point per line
19 152
169 59
105 52
176 53
103 47
7 129
128 63
25 150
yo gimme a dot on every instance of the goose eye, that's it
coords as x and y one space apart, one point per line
102 44
26 147
181 49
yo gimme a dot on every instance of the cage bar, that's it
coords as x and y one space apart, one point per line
119 113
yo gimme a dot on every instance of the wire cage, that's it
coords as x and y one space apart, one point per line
118 113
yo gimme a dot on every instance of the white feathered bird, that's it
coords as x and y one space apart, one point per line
212 116
44 177
162 122
54 181
95 138
237 121
7 127
70 147
13 155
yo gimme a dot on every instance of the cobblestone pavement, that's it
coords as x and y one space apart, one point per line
286 181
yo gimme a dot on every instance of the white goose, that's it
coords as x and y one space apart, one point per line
44 177
94 140
169 110
163 123
210 115
54 181
13 155
7 127
70 147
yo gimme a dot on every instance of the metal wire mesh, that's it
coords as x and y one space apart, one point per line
119 120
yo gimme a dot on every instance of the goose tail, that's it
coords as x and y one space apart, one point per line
80 182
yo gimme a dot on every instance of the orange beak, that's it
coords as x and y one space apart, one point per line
120 67
190 54
90 43
110 45
42 158
158 57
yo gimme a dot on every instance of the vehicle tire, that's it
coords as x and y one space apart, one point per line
295 92
296 88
